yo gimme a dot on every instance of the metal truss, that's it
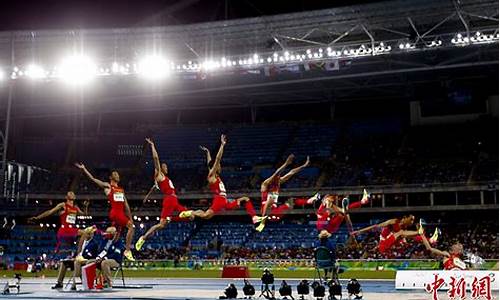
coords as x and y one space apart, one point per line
413 21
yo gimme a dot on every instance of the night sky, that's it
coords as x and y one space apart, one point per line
73 14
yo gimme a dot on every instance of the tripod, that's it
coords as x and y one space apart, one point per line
267 292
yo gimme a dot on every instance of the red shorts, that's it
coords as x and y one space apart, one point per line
263 202
220 203
118 218
170 204
65 233
386 244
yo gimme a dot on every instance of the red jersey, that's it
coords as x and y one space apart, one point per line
218 187
388 230
68 216
167 187
453 262
116 198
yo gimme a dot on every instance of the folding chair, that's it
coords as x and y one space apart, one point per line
117 270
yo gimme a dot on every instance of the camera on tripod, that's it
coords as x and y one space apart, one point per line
267 287
267 277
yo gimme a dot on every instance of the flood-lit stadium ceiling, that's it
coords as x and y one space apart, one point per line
382 76
398 20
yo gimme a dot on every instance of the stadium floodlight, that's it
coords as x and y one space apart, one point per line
2 75
77 69
154 67
210 65
35 72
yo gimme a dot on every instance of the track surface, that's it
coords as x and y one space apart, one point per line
196 289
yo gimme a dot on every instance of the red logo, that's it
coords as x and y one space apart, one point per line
480 288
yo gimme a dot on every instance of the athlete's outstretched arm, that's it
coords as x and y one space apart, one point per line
294 171
149 193
218 157
383 224
47 213
208 155
101 184
156 160
266 182
433 250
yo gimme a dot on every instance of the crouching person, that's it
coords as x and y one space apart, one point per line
111 255
87 249
105 247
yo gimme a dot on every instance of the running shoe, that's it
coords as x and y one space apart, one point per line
345 205
186 214
128 255
365 198
420 226
140 242
257 219
316 197
435 236
261 226
57 286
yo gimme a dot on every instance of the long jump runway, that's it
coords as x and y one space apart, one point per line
196 289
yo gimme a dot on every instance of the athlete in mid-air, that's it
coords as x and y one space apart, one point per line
170 201
331 216
270 189
119 214
394 230
68 211
452 259
220 201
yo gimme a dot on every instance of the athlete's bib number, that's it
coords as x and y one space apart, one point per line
272 197
119 197
222 189
71 219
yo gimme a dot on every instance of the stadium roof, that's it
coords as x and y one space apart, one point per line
395 75
388 20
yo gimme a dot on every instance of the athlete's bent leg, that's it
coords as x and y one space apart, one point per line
208 214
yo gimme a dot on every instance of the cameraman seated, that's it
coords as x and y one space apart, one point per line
109 255
325 242
89 246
